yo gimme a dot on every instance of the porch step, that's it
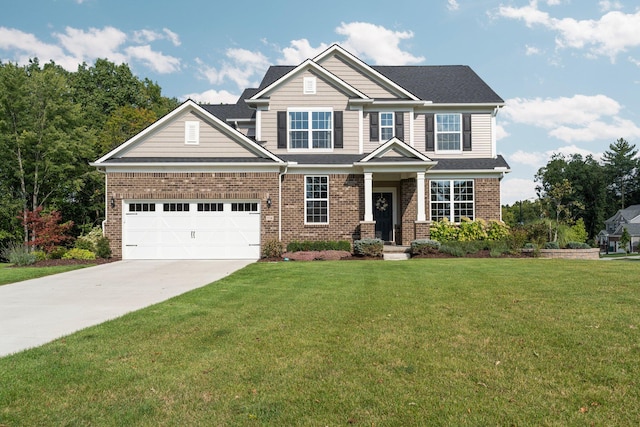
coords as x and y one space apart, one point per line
396 252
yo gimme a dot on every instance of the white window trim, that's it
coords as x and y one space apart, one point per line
452 202
192 132
309 86
393 126
310 147
435 134
305 199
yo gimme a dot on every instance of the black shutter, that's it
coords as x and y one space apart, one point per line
282 129
429 134
399 131
466 132
373 127
337 129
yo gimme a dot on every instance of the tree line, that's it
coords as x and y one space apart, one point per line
52 124
572 188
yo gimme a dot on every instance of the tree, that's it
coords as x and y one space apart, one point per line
625 239
44 230
41 134
621 169
125 122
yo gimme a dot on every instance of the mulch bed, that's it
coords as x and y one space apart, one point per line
56 262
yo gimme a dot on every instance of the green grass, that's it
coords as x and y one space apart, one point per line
18 274
422 342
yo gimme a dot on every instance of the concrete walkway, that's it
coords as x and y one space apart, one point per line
37 311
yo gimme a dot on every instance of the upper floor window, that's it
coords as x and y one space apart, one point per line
310 129
448 132
386 126
452 200
191 132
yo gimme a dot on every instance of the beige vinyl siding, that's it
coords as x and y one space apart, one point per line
369 145
290 95
480 138
169 141
355 78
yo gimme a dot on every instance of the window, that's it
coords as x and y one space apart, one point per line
210 207
309 84
310 130
316 198
452 200
175 207
142 207
448 132
386 126
191 132
244 207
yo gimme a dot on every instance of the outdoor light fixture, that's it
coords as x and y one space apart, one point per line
268 201
113 202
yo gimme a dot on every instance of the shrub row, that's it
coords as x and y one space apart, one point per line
320 245
467 230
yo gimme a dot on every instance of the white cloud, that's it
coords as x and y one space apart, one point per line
513 190
452 5
501 132
377 43
537 159
606 5
531 50
163 64
212 97
147 36
240 67
299 51
634 61
614 33
75 46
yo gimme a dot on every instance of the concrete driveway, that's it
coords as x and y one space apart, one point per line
37 311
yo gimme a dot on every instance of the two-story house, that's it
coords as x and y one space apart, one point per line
330 149
629 219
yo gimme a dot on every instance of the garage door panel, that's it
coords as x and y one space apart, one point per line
193 234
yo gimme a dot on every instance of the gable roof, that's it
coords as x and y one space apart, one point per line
628 214
406 152
115 155
238 111
309 64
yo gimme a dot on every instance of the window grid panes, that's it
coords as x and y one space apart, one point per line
448 132
386 126
210 207
244 207
175 207
317 199
452 200
142 207
314 126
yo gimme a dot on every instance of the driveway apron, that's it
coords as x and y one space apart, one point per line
37 311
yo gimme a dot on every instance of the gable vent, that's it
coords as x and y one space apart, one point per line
191 132
309 85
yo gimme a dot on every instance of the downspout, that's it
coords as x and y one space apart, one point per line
106 198
280 176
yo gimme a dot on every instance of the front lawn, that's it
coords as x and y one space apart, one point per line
18 274
421 342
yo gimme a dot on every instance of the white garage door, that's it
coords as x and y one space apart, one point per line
191 230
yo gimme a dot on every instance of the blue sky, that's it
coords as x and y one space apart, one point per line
568 70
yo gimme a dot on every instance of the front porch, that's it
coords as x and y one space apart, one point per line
394 207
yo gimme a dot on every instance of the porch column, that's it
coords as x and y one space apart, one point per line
368 196
420 196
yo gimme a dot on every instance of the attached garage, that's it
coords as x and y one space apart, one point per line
179 229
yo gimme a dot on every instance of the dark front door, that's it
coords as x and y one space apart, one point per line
383 215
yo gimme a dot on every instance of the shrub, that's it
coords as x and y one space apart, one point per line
40 255
368 247
103 248
497 230
444 231
272 249
529 245
424 246
498 248
578 245
452 249
82 254
319 245
18 254
57 252
517 238
470 231
551 245
82 243
89 240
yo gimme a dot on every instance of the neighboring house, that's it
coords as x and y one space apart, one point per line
331 149
629 218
